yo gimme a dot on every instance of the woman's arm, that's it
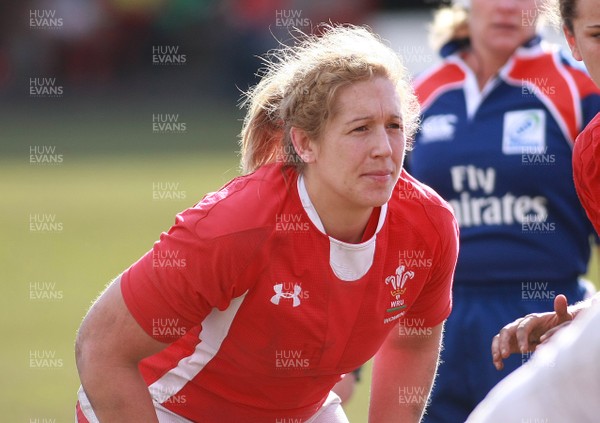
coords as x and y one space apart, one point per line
403 374
109 346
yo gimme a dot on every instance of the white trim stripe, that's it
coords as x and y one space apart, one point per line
576 97
86 407
215 328
308 205
164 415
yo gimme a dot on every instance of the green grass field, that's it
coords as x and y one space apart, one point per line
109 218
104 218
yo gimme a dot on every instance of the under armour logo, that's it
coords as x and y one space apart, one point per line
279 294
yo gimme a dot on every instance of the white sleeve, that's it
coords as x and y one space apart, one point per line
561 383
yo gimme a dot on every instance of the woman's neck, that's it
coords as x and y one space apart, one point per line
346 230
344 223
485 64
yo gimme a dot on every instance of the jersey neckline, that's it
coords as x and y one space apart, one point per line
310 210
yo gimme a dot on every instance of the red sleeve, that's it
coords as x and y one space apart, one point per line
187 273
434 303
586 170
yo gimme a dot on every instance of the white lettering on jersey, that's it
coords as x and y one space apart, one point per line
524 132
474 177
438 128
505 210
471 210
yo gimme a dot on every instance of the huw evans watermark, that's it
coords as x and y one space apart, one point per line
168 56
291 18
45 88
44 19
44 359
40 291
44 222
290 359
167 191
44 155
166 123
537 291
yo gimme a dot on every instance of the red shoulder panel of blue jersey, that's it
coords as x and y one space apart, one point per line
558 85
584 83
437 81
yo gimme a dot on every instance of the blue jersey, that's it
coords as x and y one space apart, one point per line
501 156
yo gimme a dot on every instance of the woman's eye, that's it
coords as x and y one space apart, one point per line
360 129
394 126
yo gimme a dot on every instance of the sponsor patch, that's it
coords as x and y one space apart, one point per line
524 132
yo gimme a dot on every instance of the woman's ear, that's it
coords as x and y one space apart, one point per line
570 37
304 146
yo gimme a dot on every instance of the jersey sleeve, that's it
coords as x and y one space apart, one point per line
434 303
186 274
586 170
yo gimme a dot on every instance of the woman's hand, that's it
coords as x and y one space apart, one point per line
526 333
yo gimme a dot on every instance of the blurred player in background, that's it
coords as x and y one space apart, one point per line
580 21
562 381
262 295
500 115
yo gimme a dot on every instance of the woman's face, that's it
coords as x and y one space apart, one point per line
356 161
501 26
585 38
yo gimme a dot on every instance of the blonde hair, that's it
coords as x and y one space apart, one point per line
299 85
561 12
451 23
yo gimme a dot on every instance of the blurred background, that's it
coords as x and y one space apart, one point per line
114 116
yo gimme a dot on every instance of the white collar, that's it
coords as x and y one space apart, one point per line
316 220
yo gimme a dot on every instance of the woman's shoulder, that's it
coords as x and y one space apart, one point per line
417 208
413 198
587 145
246 203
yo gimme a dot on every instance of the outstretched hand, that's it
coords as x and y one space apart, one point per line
526 333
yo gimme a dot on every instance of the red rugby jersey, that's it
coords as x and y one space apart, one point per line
265 311
586 170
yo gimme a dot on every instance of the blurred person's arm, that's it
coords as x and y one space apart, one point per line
109 346
403 374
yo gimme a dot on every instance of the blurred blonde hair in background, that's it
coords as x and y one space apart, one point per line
451 23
